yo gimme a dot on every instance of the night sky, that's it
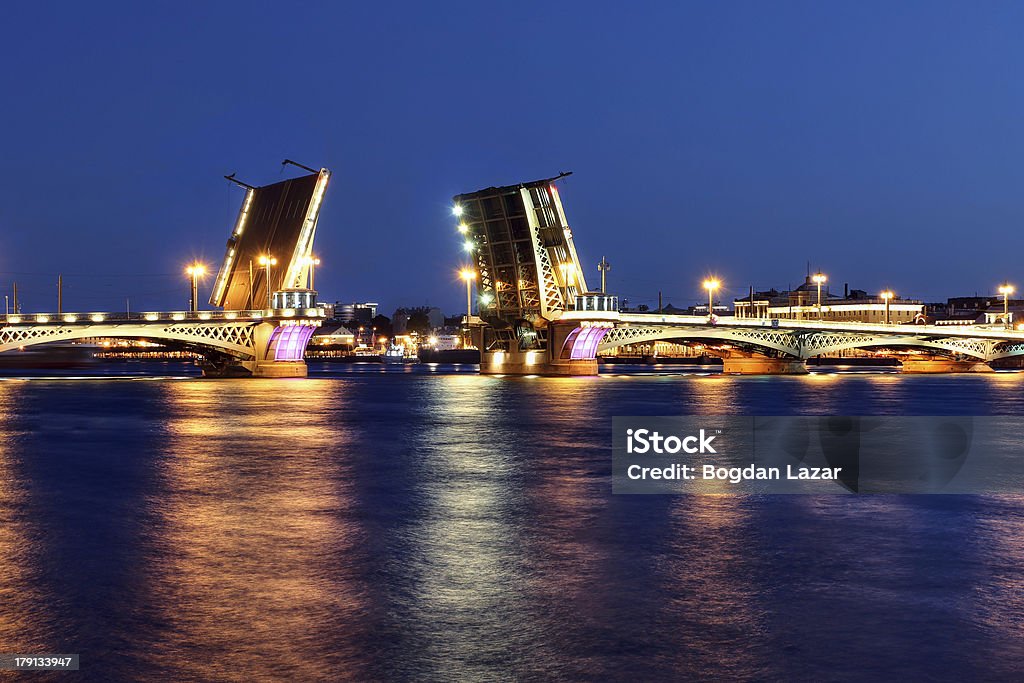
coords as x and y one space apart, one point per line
879 141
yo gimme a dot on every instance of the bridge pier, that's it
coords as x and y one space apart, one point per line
762 365
556 360
533 362
938 364
278 350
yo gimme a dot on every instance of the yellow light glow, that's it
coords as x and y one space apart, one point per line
457 210
14 319
152 316
42 319
204 316
819 278
97 317
712 284
70 318
1006 289
467 274
196 270
264 260
887 294
463 228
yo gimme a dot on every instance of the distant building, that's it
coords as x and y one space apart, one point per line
353 313
400 321
333 335
436 318
802 304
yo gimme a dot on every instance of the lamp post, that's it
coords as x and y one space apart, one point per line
818 279
267 262
469 276
312 262
1006 290
565 267
711 285
195 271
887 295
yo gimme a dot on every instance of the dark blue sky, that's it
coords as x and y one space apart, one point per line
880 141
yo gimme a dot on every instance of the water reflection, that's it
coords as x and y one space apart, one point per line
394 526
255 529
22 616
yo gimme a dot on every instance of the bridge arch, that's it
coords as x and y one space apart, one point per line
234 339
799 344
772 341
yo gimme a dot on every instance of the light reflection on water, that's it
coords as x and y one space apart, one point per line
451 526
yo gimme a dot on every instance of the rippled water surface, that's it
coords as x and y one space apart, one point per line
433 524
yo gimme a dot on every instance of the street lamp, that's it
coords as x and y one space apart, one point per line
711 285
818 279
887 295
195 271
1006 290
566 269
312 262
266 262
469 276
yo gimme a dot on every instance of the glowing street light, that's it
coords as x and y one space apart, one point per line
469 276
567 272
195 271
312 262
1006 290
888 296
462 227
819 278
267 262
711 285
457 210
467 246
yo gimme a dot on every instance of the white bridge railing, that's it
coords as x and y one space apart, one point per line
156 316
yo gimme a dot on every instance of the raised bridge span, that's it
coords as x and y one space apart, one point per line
537 316
266 308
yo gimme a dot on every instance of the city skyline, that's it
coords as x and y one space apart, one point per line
695 151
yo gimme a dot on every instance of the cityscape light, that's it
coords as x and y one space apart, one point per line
1006 289
566 269
819 278
469 276
457 210
711 284
887 295
463 228
195 271
267 261
312 262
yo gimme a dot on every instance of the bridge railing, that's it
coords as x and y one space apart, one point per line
156 316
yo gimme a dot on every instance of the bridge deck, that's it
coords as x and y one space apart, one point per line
901 330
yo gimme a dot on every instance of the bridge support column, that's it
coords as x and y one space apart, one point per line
547 361
279 347
938 364
754 364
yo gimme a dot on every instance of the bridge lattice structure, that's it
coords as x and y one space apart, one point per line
228 333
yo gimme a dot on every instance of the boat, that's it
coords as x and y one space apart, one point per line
398 354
